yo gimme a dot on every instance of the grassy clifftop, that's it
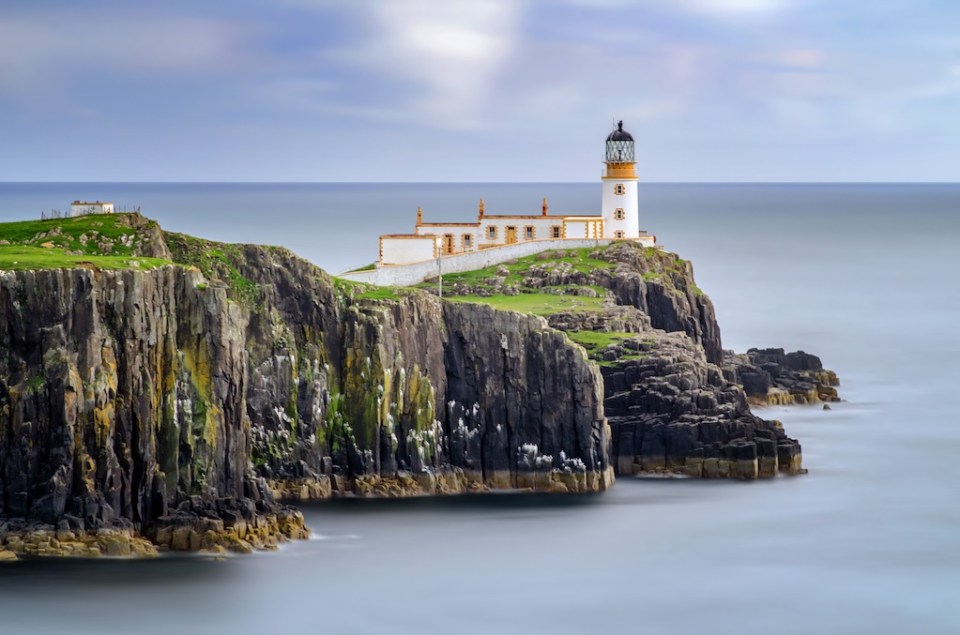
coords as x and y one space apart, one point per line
105 241
120 241
564 280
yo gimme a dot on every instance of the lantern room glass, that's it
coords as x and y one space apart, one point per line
620 152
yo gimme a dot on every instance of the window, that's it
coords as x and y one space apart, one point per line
467 241
618 213
528 232
618 189
618 234
491 232
555 231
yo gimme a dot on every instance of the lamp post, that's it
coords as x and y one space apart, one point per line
439 276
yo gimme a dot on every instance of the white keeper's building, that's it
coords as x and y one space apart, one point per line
82 208
619 219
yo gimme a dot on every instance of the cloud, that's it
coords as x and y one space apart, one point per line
947 85
41 57
738 6
712 8
809 59
446 56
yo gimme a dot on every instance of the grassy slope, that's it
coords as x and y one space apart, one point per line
536 303
30 258
532 302
578 259
101 240
219 262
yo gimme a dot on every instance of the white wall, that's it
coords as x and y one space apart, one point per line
405 275
582 227
628 201
399 251
91 208
457 230
541 228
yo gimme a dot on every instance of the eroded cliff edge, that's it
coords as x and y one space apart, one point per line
676 401
174 403
145 404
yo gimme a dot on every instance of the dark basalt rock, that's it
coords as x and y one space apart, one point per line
410 387
181 404
671 406
672 411
150 400
771 376
657 284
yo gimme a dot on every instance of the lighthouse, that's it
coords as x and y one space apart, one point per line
498 237
619 206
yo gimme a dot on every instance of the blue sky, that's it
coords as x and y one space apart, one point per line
480 90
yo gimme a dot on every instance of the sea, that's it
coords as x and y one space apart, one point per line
863 275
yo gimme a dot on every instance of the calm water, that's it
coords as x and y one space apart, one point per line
868 542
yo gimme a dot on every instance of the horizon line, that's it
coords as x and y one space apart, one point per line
271 182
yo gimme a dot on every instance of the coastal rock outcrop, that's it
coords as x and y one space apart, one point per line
121 396
177 403
176 406
658 284
676 402
672 412
366 392
772 377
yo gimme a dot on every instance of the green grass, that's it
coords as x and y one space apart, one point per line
579 260
536 303
369 267
363 291
571 289
596 340
217 261
17 258
67 233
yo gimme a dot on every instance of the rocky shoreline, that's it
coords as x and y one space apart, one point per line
176 408
771 377
676 402
542 477
233 527
154 405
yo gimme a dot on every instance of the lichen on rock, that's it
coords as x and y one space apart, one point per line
179 403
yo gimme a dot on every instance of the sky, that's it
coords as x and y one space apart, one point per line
478 90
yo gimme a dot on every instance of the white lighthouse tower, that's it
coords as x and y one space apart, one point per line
620 207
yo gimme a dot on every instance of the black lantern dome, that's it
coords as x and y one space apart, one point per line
620 146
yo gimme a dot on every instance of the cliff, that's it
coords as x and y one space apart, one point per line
771 376
675 400
178 402
163 391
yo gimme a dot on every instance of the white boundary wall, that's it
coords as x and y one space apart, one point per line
405 275
395 251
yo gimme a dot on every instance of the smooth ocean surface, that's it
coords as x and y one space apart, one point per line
869 542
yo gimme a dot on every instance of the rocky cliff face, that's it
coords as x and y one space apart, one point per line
649 289
771 376
676 402
122 400
175 402
397 393
672 411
